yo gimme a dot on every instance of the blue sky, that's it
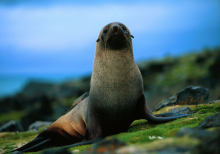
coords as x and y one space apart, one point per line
60 38
38 37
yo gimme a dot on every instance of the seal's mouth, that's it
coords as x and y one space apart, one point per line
116 42
115 37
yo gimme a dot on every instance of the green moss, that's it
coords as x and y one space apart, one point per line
9 147
216 107
140 130
138 134
181 72
16 135
207 108
41 129
138 125
11 140
186 68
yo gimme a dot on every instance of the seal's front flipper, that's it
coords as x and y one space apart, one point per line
84 142
39 143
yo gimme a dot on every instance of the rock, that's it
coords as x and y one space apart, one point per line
191 95
209 145
211 121
11 126
194 133
36 125
216 101
175 111
182 110
106 146
209 140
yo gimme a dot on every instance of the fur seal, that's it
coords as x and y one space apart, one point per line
115 100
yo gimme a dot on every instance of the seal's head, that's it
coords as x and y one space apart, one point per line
114 36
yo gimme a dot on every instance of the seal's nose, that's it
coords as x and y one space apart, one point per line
115 28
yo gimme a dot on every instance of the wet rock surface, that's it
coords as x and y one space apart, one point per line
192 95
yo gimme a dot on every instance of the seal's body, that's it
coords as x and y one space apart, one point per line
115 99
116 83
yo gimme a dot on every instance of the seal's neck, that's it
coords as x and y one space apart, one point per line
111 61
112 67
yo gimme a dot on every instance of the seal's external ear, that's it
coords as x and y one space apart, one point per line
97 40
132 36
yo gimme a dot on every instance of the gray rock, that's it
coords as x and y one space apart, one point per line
194 133
36 125
216 101
209 145
11 126
209 140
175 112
211 121
182 110
191 95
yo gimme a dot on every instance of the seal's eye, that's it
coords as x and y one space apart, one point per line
105 31
123 28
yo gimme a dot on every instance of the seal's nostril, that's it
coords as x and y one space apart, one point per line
115 27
